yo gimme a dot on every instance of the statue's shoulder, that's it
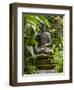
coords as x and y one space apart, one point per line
47 33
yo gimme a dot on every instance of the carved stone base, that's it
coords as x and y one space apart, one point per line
45 62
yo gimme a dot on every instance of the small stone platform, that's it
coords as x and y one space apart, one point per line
45 63
45 71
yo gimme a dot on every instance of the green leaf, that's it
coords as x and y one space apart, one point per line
30 49
45 20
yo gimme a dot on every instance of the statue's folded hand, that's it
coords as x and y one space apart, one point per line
46 45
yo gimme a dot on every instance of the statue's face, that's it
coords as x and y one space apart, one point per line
43 27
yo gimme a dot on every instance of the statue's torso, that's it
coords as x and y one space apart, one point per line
42 39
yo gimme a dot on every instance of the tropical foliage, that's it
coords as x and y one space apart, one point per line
31 28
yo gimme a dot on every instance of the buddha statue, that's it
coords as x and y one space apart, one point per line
42 48
44 40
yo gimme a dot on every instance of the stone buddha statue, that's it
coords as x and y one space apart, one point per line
44 40
42 48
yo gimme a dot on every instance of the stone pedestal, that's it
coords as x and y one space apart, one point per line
45 62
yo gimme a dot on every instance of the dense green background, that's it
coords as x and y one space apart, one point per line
31 28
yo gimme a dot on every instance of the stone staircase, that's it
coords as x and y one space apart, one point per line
45 62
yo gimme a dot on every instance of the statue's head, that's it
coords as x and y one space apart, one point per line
43 27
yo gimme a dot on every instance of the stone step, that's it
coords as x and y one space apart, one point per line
45 67
44 61
46 71
40 58
44 56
